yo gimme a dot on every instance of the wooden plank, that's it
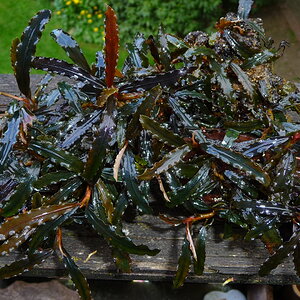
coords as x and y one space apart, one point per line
225 258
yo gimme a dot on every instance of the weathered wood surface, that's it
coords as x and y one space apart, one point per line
224 259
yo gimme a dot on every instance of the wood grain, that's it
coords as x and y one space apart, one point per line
224 258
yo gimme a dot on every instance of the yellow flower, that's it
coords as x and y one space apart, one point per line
83 12
68 2
89 16
99 15
95 7
90 21
96 29
76 1
58 12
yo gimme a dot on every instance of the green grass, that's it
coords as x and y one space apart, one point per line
14 17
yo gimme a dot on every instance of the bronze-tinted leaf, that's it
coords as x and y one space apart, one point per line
33 218
25 50
111 45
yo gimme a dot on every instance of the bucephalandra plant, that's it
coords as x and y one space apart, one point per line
207 127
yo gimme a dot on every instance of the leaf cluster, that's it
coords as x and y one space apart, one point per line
200 123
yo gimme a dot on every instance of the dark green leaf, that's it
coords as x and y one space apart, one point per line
200 251
282 252
121 242
272 239
65 191
161 133
9 138
145 108
71 95
60 157
259 59
184 263
52 178
132 185
238 161
25 264
176 41
203 51
42 232
71 47
17 199
259 229
26 49
245 126
170 160
122 260
77 277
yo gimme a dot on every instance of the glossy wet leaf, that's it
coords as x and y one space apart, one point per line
161 133
144 108
200 51
9 138
60 157
244 8
25 50
259 58
42 232
52 178
71 95
184 263
22 265
170 160
264 145
238 161
111 45
272 239
64 192
71 47
122 260
243 79
77 277
132 185
176 41
121 242
281 253
17 199
200 251
63 68
259 229
33 218
198 185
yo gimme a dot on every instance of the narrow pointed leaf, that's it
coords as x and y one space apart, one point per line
33 218
133 188
77 277
52 178
282 252
17 199
111 45
244 8
9 138
71 95
184 263
122 260
26 50
71 47
80 130
238 161
169 161
200 251
43 232
259 59
144 108
28 263
160 132
60 157
121 242
272 239
243 79
63 68
64 192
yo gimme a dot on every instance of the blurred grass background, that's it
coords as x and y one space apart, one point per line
14 17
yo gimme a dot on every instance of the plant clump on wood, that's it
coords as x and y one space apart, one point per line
201 123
